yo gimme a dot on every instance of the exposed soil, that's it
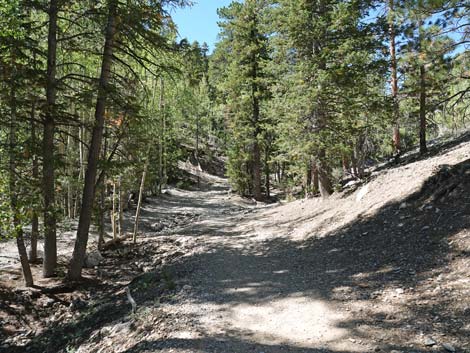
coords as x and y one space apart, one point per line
383 267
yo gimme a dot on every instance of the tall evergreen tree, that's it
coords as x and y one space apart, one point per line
244 85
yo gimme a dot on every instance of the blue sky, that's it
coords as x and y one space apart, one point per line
199 22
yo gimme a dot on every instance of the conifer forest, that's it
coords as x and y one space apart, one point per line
300 185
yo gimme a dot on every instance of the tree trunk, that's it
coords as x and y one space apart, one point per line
422 110
324 182
69 176
141 193
121 201
161 145
50 241
422 99
101 210
113 212
18 230
394 80
256 166
79 251
33 251
315 178
197 153
267 174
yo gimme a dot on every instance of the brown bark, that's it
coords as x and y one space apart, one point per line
48 181
79 251
324 181
315 178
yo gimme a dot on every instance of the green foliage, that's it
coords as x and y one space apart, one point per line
238 70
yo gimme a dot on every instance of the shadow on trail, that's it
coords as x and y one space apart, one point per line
393 249
223 344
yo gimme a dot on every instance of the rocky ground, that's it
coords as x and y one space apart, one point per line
380 267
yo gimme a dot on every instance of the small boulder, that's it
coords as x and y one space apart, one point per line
93 259
158 227
429 342
448 347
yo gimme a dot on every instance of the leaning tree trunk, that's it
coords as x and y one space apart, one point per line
141 194
79 251
18 231
50 241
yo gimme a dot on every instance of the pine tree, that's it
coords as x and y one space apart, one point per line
245 91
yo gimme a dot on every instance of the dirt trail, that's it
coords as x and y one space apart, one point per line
380 268
245 292
360 273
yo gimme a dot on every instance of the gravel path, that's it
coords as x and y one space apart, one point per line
247 290
386 271
383 268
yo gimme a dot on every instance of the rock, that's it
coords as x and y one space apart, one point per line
403 205
360 195
399 291
48 302
77 304
428 341
122 328
93 259
158 227
187 287
448 347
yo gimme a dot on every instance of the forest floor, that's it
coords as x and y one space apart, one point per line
380 267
